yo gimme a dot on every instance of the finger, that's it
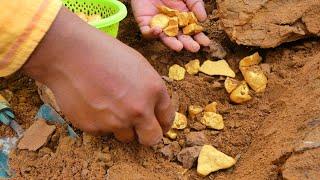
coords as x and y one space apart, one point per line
149 131
188 43
124 135
197 6
171 42
165 112
149 32
202 39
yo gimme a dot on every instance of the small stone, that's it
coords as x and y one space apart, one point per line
180 121
168 11
171 150
212 120
194 110
214 68
172 134
36 135
211 160
254 59
183 19
196 139
177 72
231 84
188 156
160 21
166 141
193 67
212 107
255 77
216 50
197 126
173 28
241 94
47 96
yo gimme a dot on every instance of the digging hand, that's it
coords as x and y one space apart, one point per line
101 85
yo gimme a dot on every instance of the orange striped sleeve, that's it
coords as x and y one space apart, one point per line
22 26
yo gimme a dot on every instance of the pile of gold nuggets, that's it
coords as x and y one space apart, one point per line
171 21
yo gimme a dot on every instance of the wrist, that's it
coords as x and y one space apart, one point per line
52 50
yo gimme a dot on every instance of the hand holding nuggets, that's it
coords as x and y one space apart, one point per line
170 20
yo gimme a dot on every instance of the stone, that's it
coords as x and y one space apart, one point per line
171 150
196 139
211 160
214 68
36 135
188 156
268 24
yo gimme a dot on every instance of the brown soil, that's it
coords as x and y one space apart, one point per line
269 23
267 133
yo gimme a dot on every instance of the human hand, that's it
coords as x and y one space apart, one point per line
101 85
144 10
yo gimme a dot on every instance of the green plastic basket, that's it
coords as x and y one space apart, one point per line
112 12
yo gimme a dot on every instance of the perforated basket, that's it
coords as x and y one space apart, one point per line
112 12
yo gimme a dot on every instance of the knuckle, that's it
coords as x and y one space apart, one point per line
157 86
137 111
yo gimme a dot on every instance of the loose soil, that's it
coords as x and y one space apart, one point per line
267 134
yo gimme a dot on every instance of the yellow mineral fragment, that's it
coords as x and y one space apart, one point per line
168 11
183 19
180 121
231 84
177 72
212 120
159 20
82 16
193 67
211 160
221 68
254 59
94 18
212 107
172 134
192 29
194 110
241 94
192 18
173 27
255 77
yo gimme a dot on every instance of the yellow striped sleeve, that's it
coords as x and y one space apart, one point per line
22 26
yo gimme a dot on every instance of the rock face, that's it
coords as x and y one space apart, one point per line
269 23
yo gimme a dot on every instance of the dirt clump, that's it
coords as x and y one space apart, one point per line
269 23
196 139
36 136
188 156
302 166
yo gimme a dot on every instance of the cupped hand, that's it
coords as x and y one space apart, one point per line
144 10
101 85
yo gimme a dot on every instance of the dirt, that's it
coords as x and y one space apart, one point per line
267 134
269 23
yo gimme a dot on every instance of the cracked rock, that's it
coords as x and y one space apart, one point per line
269 23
